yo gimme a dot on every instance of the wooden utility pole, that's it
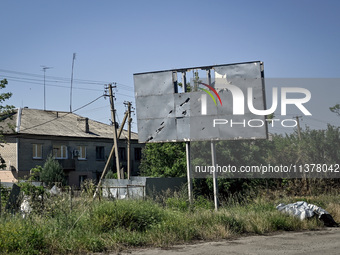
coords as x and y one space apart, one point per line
109 159
129 141
115 138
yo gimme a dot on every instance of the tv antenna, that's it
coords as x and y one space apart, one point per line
44 68
74 57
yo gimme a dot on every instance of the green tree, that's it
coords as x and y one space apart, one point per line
5 111
52 172
335 109
163 160
35 173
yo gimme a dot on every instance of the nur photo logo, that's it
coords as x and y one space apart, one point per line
204 97
244 102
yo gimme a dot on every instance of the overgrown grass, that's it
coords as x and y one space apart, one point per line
116 225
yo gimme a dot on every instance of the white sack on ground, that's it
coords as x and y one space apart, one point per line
303 210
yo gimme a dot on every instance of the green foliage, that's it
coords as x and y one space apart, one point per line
52 172
315 146
4 193
35 173
335 109
177 203
5 109
130 215
21 237
111 175
88 187
163 160
106 226
31 190
203 203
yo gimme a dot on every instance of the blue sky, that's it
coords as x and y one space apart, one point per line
115 39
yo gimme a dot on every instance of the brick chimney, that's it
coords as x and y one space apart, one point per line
83 124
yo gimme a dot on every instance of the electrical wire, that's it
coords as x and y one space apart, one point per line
63 79
41 124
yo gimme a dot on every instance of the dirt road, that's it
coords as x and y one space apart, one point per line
324 242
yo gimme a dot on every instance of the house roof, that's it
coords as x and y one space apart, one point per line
56 123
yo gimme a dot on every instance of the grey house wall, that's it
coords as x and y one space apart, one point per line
18 151
9 153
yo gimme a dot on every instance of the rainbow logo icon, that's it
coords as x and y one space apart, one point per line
204 98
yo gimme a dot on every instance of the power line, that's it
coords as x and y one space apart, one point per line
41 124
67 80
50 85
59 86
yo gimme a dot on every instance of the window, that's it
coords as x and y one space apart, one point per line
82 152
60 151
100 153
82 178
37 151
122 154
138 154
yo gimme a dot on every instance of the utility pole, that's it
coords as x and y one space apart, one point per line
298 125
109 159
44 70
115 139
129 140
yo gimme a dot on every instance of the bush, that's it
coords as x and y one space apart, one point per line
126 214
21 237
52 172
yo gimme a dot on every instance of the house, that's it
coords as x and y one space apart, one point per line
81 145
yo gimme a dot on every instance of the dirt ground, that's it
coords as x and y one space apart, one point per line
325 242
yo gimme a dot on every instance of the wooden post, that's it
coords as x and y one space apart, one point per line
109 159
129 142
115 139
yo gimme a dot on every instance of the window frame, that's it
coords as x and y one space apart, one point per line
35 151
139 149
63 148
82 152
122 153
103 152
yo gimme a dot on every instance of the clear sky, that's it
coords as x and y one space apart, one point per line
115 39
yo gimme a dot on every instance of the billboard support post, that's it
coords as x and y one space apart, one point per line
190 195
213 159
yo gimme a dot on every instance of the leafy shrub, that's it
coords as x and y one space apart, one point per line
31 190
177 203
52 172
204 203
111 175
35 173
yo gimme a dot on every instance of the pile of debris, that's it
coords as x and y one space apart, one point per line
303 210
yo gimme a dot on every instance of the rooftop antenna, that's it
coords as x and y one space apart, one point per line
74 57
44 70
